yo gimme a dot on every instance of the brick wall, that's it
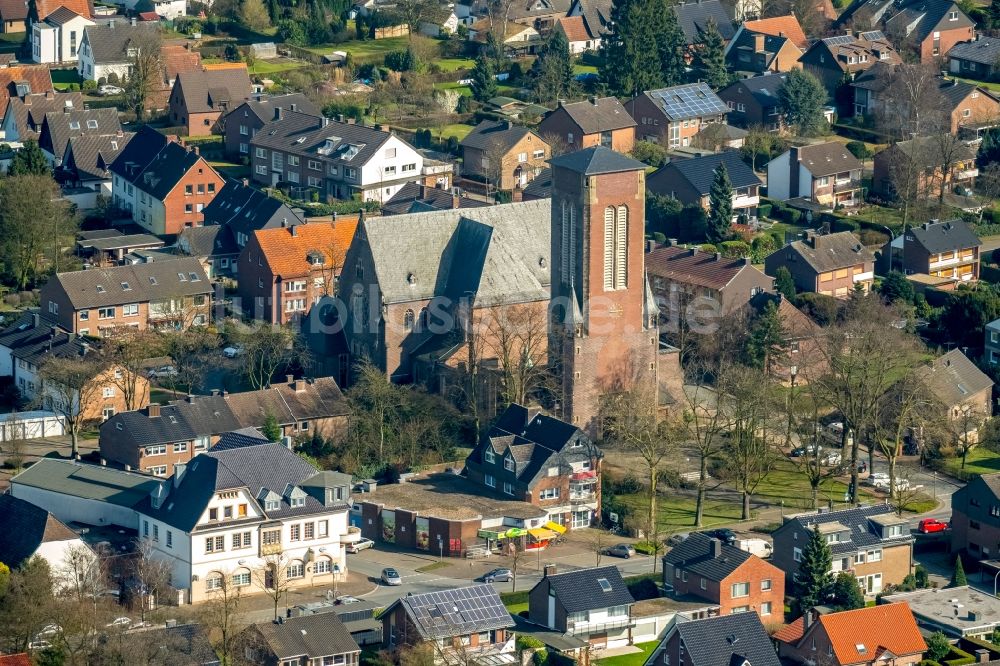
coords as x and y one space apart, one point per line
181 208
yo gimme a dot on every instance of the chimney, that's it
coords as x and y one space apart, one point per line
299 385
382 128
593 100
196 150
718 256
793 171
246 182
549 570
758 42
650 245
35 320
807 619
982 655
111 24
190 398
716 548
293 107
369 485
277 113
561 103
294 230
455 198
693 252
133 21
325 122
508 125
215 392
153 410
179 469
290 379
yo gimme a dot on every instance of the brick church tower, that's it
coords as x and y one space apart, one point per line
603 333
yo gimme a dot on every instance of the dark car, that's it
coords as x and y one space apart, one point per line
498 576
723 534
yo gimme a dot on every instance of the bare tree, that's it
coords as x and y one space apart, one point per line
266 348
128 350
516 335
907 407
15 443
965 427
82 575
221 615
150 576
189 350
909 165
557 143
706 426
145 69
516 556
272 578
68 387
917 107
492 165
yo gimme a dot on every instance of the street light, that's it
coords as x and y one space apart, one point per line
793 370
336 572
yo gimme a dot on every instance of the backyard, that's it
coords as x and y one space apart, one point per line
633 659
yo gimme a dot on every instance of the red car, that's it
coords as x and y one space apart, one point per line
931 525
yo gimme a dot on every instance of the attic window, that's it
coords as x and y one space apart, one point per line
119 425
74 125
152 280
126 287
100 289
173 419
861 648
180 276
194 277
114 145
605 585
411 278
91 124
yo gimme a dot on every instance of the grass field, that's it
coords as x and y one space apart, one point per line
63 78
11 42
365 51
985 84
979 461
579 68
465 90
454 64
275 66
634 659
457 130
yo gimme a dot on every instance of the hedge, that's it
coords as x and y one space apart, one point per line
764 210
514 598
979 643
962 659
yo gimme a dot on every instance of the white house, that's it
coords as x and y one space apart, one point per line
445 22
31 531
110 48
58 38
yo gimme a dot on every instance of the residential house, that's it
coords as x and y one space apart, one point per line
87 160
439 21
161 437
723 640
338 160
284 271
164 185
941 249
44 8
57 37
24 115
835 59
228 511
753 102
406 274
58 127
694 17
505 155
541 15
674 115
214 246
871 542
752 53
779 26
243 209
833 264
959 612
805 358
991 353
678 276
28 343
245 120
963 391
470 623
13 16
19 659
31 531
593 122
109 247
199 98
866 14
171 294
975 517
178 58
109 49
579 35
22 80
301 641
417 198
591 604
735 580
825 173
519 39
861 637
690 182
543 461
930 29
976 59
596 15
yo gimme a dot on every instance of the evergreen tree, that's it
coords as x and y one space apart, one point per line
847 592
551 74
484 82
784 283
994 14
938 646
630 54
670 41
814 579
767 342
271 428
801 99
958 578
895 287
273 11
29 161
720 205
989 148
709 62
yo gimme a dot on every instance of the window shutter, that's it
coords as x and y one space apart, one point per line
621 248
609 248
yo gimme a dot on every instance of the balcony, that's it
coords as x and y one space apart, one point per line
586 627
746 201
270 549
846 185
582 498
967 174
863 277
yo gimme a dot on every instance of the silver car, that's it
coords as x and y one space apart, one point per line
391 577
621 550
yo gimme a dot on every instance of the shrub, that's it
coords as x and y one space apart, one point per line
959 657
659 237
646 548
708 247
764 210
791 216
645 588
734 249
90 84
527 643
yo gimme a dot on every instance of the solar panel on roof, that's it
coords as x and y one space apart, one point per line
839 40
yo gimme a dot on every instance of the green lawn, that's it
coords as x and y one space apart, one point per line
979 461
454 64
634 659
63 78
514 609
677 513
985 84
579 68
11 42
457 130
786 483
464 89
275 66
366 51
231 169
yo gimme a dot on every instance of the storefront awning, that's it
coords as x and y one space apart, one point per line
555 527
542 534
489 534
514 532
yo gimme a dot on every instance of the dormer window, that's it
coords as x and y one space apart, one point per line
297 501
508 464
272 505
489 457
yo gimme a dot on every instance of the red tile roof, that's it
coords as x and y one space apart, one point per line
859 636
38 77
21 659
781 25
84 8
177 59
286 250
693 266
574 28
790 633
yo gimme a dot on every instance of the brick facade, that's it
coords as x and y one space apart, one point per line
519 165
653 125
764 593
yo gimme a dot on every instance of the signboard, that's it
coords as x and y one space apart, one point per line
389 526
423 533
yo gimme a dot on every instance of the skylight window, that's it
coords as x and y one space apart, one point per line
126 287
605 585
91 124
195 278
74 125
100 289
861 648
152 280
181 277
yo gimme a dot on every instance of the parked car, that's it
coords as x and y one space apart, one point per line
723 534
758 547
232 352
621 550
931 525
360 545
502 575
391 577
808 449
678 538
880 480
39 645
48 630
120 622
107 89
162 372
830 458
348 599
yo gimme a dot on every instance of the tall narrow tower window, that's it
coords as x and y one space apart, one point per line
609 248
621 248
564 244
570 278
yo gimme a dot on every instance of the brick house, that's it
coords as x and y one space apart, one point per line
30 341
674 115
690 182
738 581
541 460
832 264
200 97
163 185
680 275
173 294
593 122
806 357
593 605
301 641
753 102
825 173
159 437
900 161
282 272
975 517
870 542
24 114
835 59
861 637
521 154
976 59
752 53
469 623
930 29
723 640
942 249
962 390
244 121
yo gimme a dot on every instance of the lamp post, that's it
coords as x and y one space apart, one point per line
440 548
336 572
793 370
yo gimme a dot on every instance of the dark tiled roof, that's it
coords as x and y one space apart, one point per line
764 89
13 10
90 157
154 281
876 78
833 251
695 555
318 398
61 15
263 106
694 266
458 612
109 42
985 51
210 241
541 186
59 126
699 172
29 111
953 378
26 527
237 438
596 160
693 18
595 115
856 520
826 159
691 100
925 15
140 151
580 590
956 91
35 342
727 640
417 198
944 236
312 636
303 134
596 14
745 43
490 133
243 208
212 90
163 174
